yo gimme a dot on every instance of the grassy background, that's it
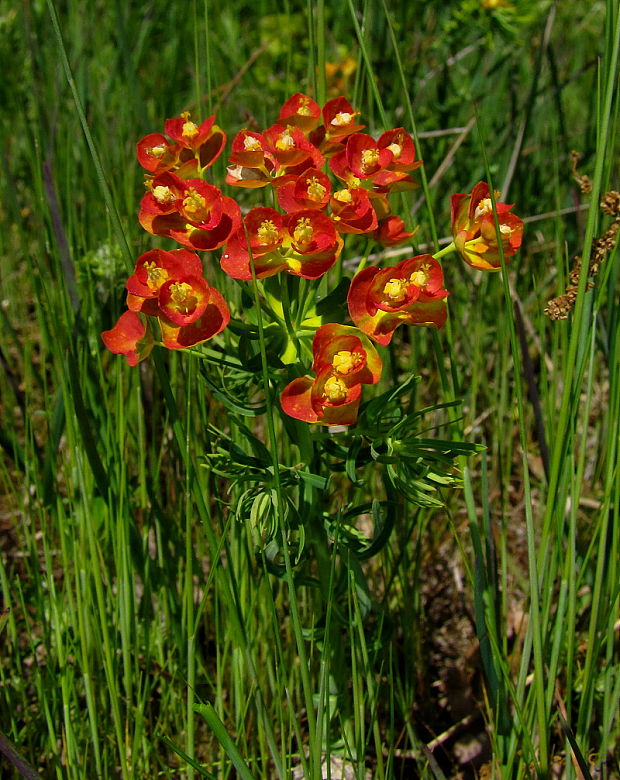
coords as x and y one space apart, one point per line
129 570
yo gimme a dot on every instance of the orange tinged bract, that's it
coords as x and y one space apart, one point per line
131 337
474 232
410 293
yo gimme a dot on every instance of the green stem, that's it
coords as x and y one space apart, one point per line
446 250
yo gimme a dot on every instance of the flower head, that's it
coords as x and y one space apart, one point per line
344 360
473 228
409 293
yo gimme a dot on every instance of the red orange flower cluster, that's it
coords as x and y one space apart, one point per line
329 180
344 360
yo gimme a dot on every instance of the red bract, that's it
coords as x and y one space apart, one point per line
214 318
352 211
344 360
326 400
292 150
309 190
265 232
252 162
391 232
300 111
409 293
170 286
194 145
473 228
200 217
130 337
206 141
347 352
365 158
400 143
155 153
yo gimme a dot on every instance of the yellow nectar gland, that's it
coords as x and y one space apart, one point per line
285 141
157 151
163 194
370 158
505 229
344 362
195 205
267 232
316 191
484 207
344 196
395 291
342 119
155 276
251 144
190 129
180 292
304 109
335 390
303 231
421 276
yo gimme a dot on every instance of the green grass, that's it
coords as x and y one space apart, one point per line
157 623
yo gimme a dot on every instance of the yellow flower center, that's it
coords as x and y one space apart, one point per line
344 196
505 230
267 232
395 290
157 151
180 292
396 150
155 276
335 390
251 144
303 231
344 362
190 130
420 277
370 158
342 119
285 141
304 109
316 191
484 207
163 194
195 205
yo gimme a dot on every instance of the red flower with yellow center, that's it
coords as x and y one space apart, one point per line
409 293
473 228
352 211
252 163
344 360
171 287
303 243
199 218
300 111
309 190
292 150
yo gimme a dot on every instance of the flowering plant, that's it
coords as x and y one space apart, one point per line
327 183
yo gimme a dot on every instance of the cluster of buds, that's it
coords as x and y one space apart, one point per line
328 180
